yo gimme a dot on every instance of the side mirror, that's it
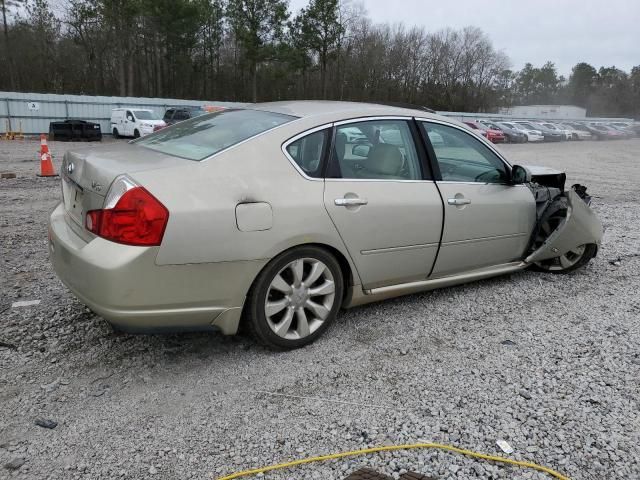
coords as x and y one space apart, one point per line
520 175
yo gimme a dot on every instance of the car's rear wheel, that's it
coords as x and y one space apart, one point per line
295 298
136 133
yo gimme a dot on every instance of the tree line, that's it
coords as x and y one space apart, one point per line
258 50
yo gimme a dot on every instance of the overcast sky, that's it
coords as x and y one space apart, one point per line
599 32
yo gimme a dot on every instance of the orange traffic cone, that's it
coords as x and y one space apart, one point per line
46 165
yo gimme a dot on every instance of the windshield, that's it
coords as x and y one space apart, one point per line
201 137
145 115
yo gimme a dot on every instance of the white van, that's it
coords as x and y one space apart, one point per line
134 122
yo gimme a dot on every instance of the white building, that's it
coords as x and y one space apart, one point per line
545 111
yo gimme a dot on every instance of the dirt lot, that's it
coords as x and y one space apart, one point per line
549 363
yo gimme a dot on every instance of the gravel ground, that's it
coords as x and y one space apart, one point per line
550 364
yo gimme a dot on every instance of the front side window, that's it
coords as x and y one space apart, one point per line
308 152
375 150
462 157
203 136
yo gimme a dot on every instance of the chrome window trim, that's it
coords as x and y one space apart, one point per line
486 142
373 118
452 182
377 180
296 138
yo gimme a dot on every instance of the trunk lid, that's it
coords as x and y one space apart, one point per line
87 174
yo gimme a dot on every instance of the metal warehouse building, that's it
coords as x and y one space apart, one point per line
32 112
545 111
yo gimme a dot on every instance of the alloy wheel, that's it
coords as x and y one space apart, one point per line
563 262
300 298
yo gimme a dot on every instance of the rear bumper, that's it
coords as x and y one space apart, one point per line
124 285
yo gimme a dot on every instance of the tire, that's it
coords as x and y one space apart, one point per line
297 316
115 133
136 133
571 261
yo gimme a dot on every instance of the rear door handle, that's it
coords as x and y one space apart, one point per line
458 201
351 202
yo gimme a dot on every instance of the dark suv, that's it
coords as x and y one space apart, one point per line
184 112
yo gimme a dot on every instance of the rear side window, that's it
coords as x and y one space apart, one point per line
375 150
308 152
203 136
168 114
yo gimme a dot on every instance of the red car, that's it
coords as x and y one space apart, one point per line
494 136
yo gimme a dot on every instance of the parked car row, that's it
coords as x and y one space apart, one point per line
138 122
521 131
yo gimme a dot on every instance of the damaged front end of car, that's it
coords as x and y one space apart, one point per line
567 232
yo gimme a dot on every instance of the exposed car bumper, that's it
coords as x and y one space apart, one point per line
535 138
124 285
146 131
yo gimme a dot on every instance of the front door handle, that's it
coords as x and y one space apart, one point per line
458 201
351 202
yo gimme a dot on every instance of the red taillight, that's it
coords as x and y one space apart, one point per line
137 218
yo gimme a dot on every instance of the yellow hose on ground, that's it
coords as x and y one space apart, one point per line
366 451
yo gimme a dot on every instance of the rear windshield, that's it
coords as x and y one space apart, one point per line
201 137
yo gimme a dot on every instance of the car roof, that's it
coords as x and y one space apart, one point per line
329 110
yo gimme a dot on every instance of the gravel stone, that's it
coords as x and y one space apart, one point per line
15 463
576 355
46 423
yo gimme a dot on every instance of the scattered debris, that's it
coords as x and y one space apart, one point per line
46 423
50 387
8 345
524 394
508 342
15 463
7 175
616 261
505 447
25 303
153 470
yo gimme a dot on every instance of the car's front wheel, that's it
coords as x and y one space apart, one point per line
295 298
570 261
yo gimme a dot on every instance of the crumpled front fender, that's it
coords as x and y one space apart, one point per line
580 227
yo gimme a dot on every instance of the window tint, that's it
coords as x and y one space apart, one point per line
308 151
201 137
181 115
462 157
376 149
168 114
